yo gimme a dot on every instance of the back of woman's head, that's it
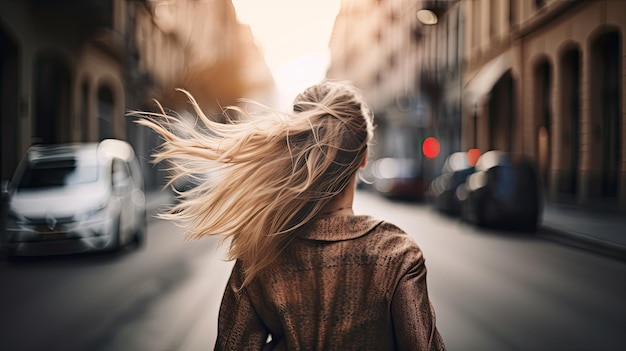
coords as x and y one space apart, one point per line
336 140
271 172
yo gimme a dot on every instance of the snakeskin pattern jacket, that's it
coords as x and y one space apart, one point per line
348 283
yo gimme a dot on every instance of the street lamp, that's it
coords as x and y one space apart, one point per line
426 17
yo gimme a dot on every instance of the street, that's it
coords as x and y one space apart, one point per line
491 291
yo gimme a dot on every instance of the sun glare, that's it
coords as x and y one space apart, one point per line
293 36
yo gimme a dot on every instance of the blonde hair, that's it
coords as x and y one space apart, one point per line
272 172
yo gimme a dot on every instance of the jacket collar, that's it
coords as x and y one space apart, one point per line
338 228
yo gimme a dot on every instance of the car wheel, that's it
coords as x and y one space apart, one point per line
117 236
480 215
466 212
529 224
139 236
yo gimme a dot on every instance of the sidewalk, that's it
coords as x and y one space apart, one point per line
603 232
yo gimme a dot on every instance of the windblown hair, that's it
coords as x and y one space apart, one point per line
266 175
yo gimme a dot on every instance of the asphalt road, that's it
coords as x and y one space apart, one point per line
497 290
135 300
491 291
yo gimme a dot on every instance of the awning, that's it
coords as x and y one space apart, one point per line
477 88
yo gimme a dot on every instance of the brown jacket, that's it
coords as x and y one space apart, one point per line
349 283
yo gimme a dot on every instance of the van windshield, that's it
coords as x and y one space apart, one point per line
57 173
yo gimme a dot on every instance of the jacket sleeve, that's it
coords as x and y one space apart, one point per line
239 326
413 315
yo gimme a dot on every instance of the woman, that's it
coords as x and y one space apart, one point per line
309 273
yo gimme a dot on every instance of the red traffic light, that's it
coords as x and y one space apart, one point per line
431 147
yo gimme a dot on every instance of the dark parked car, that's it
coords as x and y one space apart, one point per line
75 198
398 178
504 192
443 189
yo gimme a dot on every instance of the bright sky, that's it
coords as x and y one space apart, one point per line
293 35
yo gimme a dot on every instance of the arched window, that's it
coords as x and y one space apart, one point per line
605 84
105 113
513 13
543 115
9 104
84 111
51 100
501 113
570 120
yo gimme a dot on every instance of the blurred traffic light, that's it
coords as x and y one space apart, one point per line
431 147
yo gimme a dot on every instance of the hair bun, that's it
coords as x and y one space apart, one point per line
336 98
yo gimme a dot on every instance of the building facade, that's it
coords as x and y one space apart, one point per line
222 63
546 78
71 69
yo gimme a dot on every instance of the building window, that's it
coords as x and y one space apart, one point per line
84 111
512 13
105 113
493 17
570 121
539 3
543 111
476 23
51 106
605 86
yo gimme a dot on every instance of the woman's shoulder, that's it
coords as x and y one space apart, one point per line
390 228
389 238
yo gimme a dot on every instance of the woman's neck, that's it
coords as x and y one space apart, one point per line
342 203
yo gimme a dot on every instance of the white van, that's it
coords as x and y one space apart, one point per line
74 198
